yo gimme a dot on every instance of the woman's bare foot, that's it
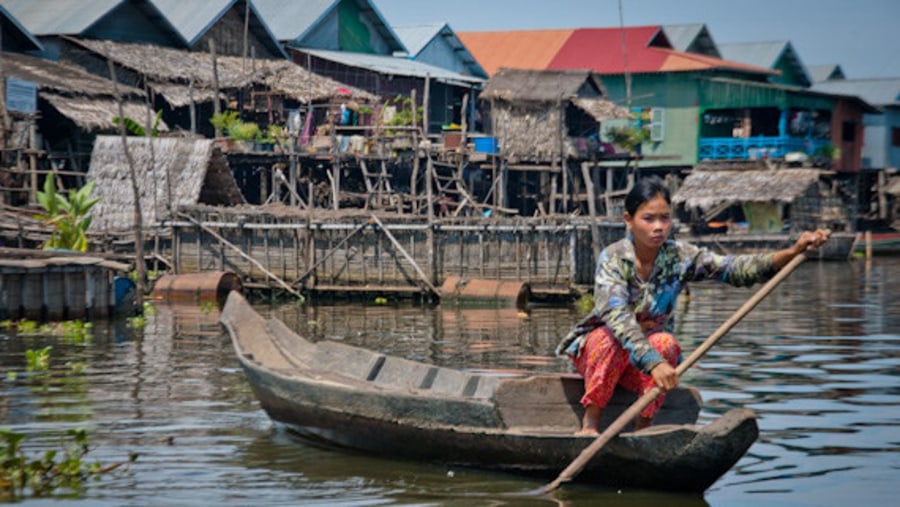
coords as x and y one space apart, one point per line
590 423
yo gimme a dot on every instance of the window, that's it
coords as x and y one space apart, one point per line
895 137
657 120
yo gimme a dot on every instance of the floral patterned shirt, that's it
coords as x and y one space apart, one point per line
635 308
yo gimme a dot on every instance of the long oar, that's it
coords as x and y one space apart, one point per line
647 398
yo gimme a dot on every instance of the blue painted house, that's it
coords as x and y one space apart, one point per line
437 44
779 56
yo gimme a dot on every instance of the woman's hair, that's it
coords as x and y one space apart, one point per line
644 190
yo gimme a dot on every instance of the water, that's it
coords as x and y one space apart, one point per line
818 361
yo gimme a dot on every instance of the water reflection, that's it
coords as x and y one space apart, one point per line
818 361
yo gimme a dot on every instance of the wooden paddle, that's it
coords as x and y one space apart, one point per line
647 398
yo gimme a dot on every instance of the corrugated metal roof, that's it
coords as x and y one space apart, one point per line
415 38
648 50
193 18
289 19
879 92
59 17
14 30
766 54
827 72
692 37
392 65
518 49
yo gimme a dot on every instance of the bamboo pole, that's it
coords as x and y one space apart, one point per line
136 192
412 261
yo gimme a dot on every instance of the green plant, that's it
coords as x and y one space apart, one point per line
68 216
42 476
38 360
244 131
629 138
137 129
404 115
275 134
224 121
26 327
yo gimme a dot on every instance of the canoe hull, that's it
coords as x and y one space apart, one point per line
518 425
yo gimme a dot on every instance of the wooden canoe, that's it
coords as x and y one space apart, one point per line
360 399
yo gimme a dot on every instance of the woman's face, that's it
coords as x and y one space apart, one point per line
651 223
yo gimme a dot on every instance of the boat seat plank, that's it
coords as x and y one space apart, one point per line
349 361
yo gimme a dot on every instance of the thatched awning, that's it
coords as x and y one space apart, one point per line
61 78
171 70
706 189
601 109
178 95
199 175
97 113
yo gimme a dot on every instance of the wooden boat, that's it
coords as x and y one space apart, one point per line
360 399
881 243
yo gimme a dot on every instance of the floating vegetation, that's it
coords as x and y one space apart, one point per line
22 476
38 360
207 307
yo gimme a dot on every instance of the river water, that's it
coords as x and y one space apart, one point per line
818 360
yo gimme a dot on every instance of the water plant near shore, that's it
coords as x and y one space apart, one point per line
22 476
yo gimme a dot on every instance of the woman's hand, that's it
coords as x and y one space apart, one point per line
665 376
810 240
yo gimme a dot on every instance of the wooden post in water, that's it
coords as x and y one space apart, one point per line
217 108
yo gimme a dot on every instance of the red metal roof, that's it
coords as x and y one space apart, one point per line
596 49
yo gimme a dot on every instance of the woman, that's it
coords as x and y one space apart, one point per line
627 337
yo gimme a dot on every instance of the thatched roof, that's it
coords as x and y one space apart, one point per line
97 114
84 98
171 70
62 78
705 189
199 173
580 87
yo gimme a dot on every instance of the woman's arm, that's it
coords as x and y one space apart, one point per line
808 241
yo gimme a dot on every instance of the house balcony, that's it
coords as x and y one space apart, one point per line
759 147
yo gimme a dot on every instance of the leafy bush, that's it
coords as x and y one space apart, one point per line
68 216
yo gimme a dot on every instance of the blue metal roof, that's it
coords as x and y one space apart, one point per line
765 54
59 17
827 72
290 19
193 19
417 38
879 92
692 37
13 29
393 65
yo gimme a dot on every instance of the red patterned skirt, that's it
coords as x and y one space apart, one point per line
604 363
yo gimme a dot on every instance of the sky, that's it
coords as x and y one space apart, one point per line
862 36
